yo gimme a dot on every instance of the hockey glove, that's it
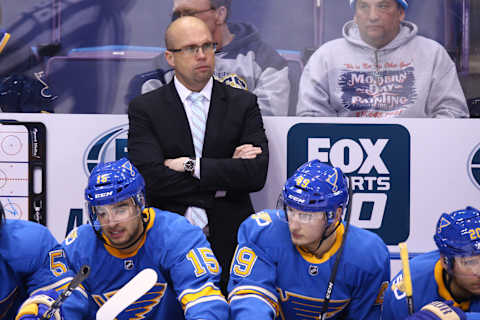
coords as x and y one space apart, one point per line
34 307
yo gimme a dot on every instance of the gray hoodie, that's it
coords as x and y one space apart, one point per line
412 77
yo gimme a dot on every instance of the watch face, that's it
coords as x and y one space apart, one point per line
189 165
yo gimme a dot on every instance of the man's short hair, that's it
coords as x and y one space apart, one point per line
222 3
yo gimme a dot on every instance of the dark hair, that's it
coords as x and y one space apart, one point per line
222 3
2 214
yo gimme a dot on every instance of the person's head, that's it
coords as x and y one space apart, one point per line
457 236
379 20
190 51
213 12
115 200
314 198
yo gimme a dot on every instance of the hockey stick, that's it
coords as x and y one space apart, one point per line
129 293
331 281
79 277
407 279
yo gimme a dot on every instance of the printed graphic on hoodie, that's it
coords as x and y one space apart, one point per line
378 92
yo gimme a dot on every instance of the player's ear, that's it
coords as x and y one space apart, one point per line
445 262
338 213
402 14
170 58
221 15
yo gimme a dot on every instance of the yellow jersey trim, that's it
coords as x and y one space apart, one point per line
208 291
442 288
4 40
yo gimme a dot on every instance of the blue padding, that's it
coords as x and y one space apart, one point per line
93 85
118 48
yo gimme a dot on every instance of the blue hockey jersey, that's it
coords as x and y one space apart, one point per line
30 260
187 270
270 278
428 285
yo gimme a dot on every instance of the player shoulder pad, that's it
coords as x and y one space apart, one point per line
28 235
171 230
266 225
85 231
371 255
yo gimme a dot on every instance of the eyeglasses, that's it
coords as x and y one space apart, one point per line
207 47
189 13
304 217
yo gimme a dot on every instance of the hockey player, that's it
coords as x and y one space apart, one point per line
285 256
125 238
451 273
31 264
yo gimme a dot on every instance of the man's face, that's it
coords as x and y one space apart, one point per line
192 69
466 273
120 222
378 21
306 228
201 9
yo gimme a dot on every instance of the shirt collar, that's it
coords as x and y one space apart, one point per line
184 92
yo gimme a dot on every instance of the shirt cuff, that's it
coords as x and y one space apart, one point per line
196 172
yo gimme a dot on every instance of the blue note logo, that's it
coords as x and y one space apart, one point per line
474 166
108 146
376 157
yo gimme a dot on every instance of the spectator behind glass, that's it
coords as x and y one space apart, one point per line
381 68
242 59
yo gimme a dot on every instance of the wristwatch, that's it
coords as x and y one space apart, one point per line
189 165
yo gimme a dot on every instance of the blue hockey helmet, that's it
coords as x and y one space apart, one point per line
113 182
458 234
316 187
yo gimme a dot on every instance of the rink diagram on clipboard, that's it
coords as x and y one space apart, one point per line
14 171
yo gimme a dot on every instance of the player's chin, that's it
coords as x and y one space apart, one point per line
474 288
116 237
298 240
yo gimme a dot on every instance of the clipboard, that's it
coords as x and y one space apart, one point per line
23 170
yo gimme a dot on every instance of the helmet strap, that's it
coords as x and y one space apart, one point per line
323 238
